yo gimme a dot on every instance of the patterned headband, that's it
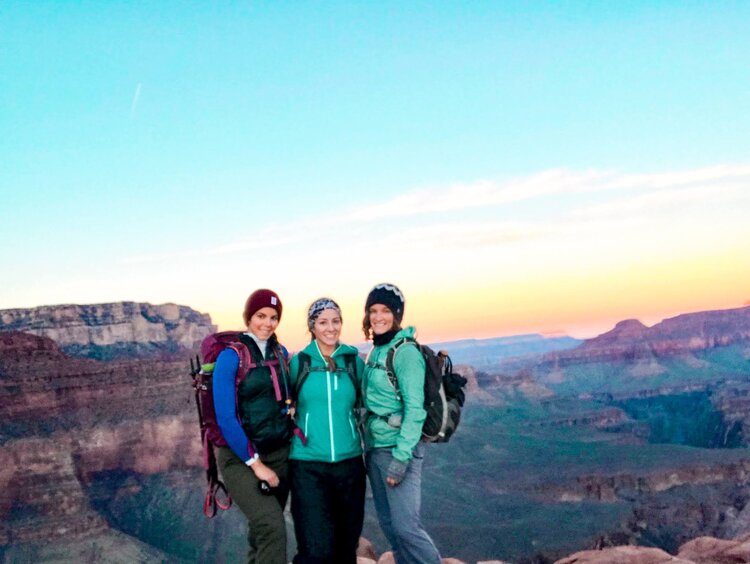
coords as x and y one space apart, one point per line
318 307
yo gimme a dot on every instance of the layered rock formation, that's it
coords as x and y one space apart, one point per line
118 330
66 420
601 418
627 485
42 497
632 340
43 391
480 385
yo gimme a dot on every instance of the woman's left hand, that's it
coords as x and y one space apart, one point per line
396 472
265 474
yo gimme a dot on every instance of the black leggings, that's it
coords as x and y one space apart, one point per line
328 507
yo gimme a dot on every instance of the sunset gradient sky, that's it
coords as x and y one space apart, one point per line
513 166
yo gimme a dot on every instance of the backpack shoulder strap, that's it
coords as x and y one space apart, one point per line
350 361
281 355
392 353
246 358
389 370
303 371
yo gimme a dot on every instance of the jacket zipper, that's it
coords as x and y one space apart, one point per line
330 416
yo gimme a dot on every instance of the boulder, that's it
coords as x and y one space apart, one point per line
365 549
710 550
622 555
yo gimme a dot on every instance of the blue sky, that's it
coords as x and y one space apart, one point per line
140 139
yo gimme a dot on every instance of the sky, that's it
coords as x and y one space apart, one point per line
515 167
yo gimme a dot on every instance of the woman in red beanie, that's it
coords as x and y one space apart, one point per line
253 415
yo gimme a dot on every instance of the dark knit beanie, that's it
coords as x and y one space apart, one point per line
389 295
318 307
260 299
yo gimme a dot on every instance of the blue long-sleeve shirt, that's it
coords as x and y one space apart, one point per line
225 404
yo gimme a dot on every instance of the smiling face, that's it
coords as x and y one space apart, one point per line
327 328
263 323
381 319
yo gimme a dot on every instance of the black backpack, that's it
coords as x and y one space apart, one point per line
443 391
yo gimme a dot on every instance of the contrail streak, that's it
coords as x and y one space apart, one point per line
134 104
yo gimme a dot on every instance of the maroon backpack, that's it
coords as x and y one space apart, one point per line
202 371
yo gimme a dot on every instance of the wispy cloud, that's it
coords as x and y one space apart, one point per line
713 175
557 182
667 201
626 197
480 194
456 235
134 103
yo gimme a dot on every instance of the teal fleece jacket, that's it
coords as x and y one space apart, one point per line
325 407
381 400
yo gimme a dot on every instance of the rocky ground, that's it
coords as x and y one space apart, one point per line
702 550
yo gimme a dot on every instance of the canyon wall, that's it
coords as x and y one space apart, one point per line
117 330
632 340
67 420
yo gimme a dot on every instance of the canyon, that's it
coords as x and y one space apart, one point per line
565 450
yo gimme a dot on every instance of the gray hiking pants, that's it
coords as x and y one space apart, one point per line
398 507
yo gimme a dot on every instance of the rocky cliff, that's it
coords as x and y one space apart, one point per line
118 330
610 488
631 340
65 421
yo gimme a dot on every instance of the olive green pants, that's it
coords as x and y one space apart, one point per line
265 513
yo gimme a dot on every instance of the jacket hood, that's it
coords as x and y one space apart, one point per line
409 332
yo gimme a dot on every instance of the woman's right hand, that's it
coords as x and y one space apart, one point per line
265 474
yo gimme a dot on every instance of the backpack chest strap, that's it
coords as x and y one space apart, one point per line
275 379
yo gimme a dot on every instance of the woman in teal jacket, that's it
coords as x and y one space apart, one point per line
326 467
393 428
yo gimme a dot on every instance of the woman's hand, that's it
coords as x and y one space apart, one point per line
396 472
265 474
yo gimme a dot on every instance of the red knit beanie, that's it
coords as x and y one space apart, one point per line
260 299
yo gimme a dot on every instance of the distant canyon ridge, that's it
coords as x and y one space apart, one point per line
114 331
137 330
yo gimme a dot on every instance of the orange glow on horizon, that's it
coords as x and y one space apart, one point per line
580 304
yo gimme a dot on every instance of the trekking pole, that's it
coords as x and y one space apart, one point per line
198 387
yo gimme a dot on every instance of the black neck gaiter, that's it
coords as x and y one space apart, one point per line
385 338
